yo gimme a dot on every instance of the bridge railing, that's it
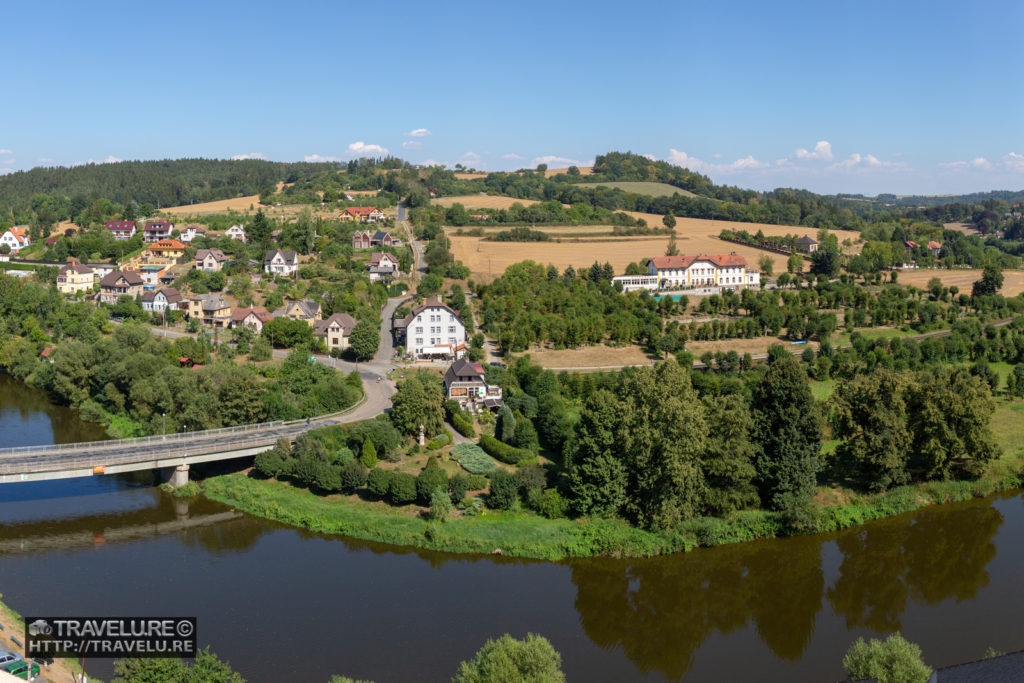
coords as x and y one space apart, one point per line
141 440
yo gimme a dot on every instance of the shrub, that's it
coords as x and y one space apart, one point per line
552 505
369 454
440 506
477 482
532 478
502 451
432 463
378 481
344 455
504 490
327 477
275 462
458 486
430 480
463 425
353 476
402 488
438 442
893 660
473 459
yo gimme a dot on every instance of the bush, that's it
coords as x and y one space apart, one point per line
369 454
275 462
504 490
353 476
477 482
502 451
438 442
440 506
532 478
344 455
463 425
378 481
473 459
458 486
402 488
430 480
893 660
551 504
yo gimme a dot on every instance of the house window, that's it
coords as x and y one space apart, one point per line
419 330
451 340
419 341
451 329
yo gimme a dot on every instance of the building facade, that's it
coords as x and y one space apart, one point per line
281 262
120 283
16 238
433 330
75 277
705 270
336 331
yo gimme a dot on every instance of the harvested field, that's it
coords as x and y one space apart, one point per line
470 176
1013 280
650 189
240 204
965 228
480 201
584 170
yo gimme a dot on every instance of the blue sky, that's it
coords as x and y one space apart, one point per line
902 97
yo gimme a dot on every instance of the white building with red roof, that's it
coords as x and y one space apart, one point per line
433 330
16 238
703 270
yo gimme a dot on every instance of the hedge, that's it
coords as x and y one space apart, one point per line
503 452
439 441
462 425
473 459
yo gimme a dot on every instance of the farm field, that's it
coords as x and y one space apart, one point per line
480 201
1013 280
651 189
240 204
584 170
965 228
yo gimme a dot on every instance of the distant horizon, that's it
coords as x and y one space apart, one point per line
908 98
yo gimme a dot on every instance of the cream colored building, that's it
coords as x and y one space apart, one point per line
75 277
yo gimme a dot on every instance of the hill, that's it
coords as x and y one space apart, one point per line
650 189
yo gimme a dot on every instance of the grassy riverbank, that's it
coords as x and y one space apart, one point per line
524 534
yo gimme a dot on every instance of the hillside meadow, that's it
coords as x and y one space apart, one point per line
650 189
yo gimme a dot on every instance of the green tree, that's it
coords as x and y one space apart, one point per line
506 429
661 431
504 490
766 264
531 660
869 415
728 461
893 660
364 340
990 283
795 263
259 229
672 249
787 433
418 403
368 454
669 220
597 476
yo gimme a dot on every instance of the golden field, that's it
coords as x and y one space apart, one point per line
1013 280
240 204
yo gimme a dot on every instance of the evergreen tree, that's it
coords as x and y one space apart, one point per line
506 424
729 458
259 229
597 475
787 433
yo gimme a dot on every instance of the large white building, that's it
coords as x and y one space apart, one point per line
704 270
16 238
433 330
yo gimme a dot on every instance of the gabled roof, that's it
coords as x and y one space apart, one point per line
159 225
211 302
196 228
309 307
19 234
463 370
167 245
375 259
683 262
240 314
380 235
806 241
934 245
76 267
286 254
430 303
910 244
120 225
360 210
130 276
344 320
217 255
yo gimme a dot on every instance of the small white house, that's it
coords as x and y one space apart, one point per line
382 266
433 330
16 238
236 232
166 299
192 232
281 262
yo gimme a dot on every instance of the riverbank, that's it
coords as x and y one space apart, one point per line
522 534
11 624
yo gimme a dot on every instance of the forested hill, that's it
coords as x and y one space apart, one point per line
928 201
169 182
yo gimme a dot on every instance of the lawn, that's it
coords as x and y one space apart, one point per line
650 189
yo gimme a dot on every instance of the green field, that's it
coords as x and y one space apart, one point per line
650 189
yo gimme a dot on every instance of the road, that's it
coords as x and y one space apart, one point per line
417 247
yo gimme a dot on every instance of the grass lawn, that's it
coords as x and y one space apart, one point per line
650 189
822 390
1008 429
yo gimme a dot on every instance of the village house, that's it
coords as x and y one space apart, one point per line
806 245
16 238
253 317
192 232
363 214
281 262
336 331
464 382
120 283
433 330
165 299
935 248
75 277
209 309
236 232
210 260
382 266
705 270
169 249
307 310
480 216
157 230
364 239
122 231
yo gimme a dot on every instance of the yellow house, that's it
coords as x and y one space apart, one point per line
307 310
75 277
169 249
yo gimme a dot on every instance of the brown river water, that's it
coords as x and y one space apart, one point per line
286 604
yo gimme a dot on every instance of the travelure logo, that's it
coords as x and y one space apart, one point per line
110 636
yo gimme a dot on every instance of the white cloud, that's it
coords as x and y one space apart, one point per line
863 162
5 171
431 162
318 158
6 151
747 163
362 149
513 157
550 159
650 157
251 155
1014 161
980 162
109 160
44 160
418 133
412 144
822 151
470 158
684 160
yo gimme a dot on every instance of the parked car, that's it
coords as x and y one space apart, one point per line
8 657
24 670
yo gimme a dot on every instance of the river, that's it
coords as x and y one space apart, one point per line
281 603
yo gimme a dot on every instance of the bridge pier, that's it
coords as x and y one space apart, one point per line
177 476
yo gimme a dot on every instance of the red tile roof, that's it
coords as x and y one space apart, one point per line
167 245
683 262
361 210
126 226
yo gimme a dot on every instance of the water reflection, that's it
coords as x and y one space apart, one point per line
929 556
28 418
660 611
